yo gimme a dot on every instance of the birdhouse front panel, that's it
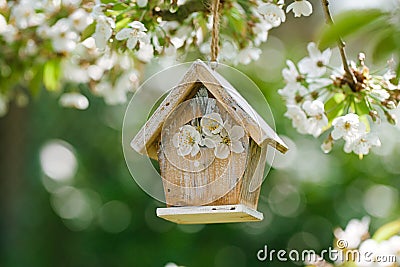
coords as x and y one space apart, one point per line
203 153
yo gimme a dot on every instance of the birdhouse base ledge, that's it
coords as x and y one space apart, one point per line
210 214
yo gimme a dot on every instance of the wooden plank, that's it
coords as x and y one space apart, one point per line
253 176
210 180
210 214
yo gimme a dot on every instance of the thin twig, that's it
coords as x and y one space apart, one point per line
341 46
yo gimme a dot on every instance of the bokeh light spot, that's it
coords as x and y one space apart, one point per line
114 216
58 160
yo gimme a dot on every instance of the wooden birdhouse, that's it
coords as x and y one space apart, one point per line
211 146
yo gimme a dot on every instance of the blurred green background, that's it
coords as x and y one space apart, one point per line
67 198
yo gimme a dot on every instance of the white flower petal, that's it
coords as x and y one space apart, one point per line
211 123
131 43
237 147
138 26
184 149
74 100
236 132
195 150
123 34
210 143
313 50
146 52
222 151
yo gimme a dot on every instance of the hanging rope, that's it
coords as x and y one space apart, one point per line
215 31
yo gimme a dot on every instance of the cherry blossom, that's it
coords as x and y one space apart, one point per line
80 19
145 52
355 231
25 15
187 141
272 13
261 30
347 127
362 144
74 100
116 94
63 39
103 32
291 74
293 86
229 141
317 120
300 8
315 64
134 34
342 107
211 124
247 55
298 117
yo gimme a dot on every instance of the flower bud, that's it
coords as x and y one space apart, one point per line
327 145
390 104
391 118
374 115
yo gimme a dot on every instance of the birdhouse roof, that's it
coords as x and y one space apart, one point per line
146 141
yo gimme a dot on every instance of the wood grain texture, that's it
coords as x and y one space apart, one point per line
146 140
203 179
253 176
210 214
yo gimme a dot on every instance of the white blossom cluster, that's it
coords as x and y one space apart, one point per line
210 132
194 31
319 98
366 251
102 44
47 37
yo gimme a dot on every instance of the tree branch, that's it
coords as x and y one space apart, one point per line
341 45
185 10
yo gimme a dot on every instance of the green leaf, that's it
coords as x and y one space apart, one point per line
361 108
236 21
122 23
385 45
120 7
386 231
334 107
348 23
88 31
398 70
51 74
339 97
